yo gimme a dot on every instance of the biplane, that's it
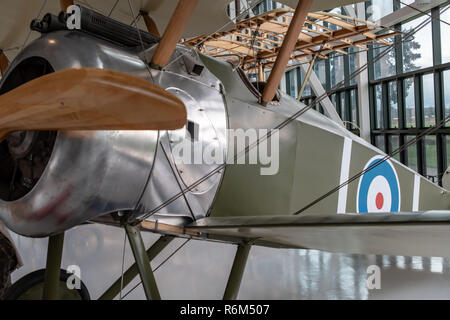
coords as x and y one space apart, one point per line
91 112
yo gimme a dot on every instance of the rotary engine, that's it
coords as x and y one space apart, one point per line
52 181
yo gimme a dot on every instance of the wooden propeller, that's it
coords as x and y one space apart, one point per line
89 99
3 63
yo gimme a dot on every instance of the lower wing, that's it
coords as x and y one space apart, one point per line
409 234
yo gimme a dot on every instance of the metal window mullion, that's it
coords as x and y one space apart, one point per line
338 103
386 115
403 155
396 5
398 48
401 104
436 35
328 74
439 99
445 151
387 144
327 68
372 107
357 107
441 156
385 105
237 8
421 161
418 101
346 69
401 119
348 107
371 67
299 78
439 102
288 83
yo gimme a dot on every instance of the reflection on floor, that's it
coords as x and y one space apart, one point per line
200 270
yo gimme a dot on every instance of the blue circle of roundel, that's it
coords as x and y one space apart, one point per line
385 170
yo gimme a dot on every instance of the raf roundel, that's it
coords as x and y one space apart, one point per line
379 188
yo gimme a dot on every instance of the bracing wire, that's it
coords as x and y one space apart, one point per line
113 8
157 268
423 12
178 182
44 3
238 16
123 262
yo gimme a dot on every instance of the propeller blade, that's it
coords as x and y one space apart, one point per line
89 99
4 63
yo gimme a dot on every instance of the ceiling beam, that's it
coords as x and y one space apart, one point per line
407 13
317 41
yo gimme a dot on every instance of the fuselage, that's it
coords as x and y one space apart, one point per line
92 174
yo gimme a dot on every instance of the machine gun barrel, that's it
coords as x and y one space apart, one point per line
49 23
96 24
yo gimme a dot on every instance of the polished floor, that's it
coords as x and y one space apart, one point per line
199 270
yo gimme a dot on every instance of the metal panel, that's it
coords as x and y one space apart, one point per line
206 108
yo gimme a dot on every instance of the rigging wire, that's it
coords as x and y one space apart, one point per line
424 12
158 267
136 19
123 262
296 115
239 16
140 39
29 32
135 24
113 8
176 179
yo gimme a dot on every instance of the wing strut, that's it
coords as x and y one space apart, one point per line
143 262
150 23
65 4
4 62
173 32
286 50
237 271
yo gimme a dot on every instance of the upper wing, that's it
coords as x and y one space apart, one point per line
209 16
410 234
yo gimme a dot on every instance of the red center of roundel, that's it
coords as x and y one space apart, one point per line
379 200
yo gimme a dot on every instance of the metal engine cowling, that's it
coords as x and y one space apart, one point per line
57 180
